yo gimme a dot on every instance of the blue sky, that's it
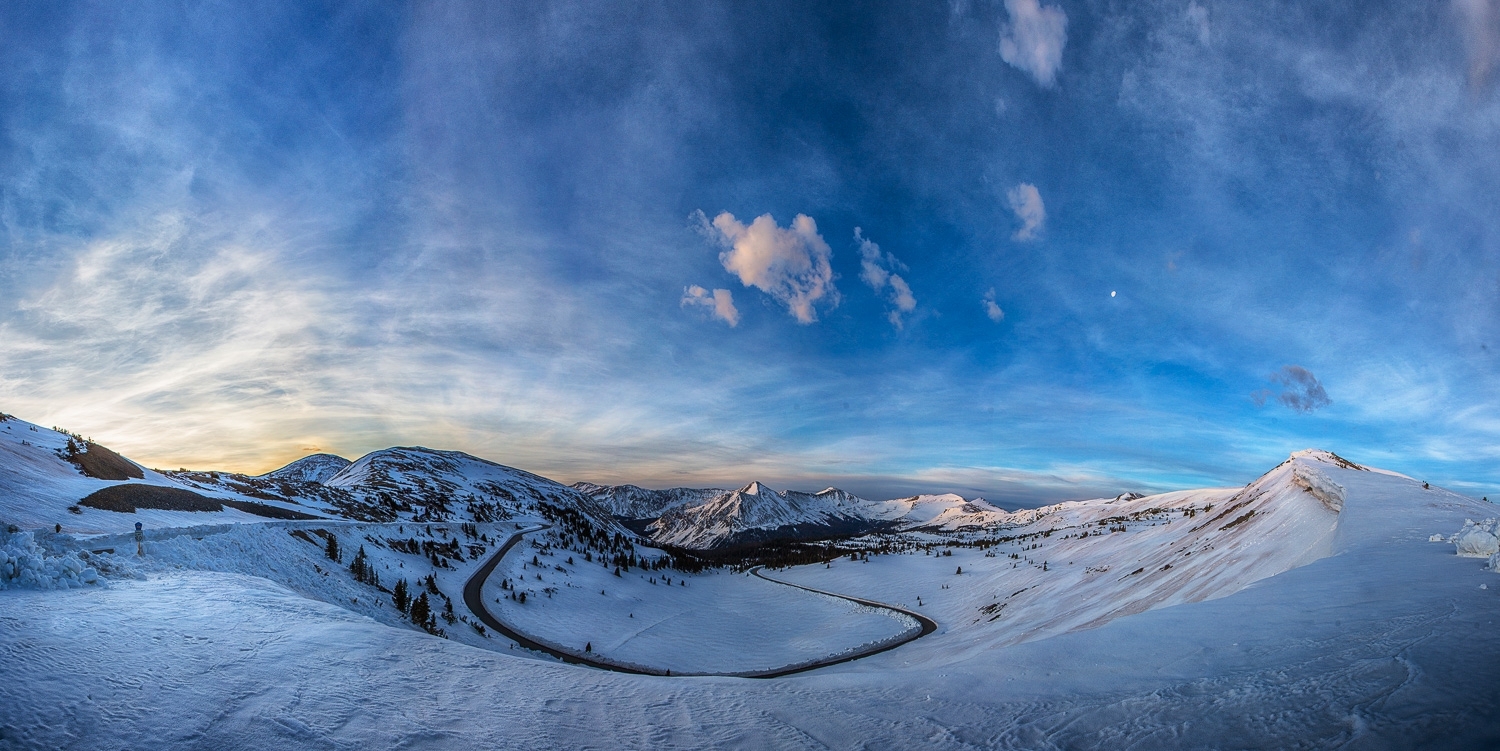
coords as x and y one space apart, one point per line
1015 249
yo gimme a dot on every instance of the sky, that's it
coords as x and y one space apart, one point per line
1028 250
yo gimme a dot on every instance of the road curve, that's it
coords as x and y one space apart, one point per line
928 626
474 599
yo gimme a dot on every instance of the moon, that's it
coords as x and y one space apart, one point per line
1111 293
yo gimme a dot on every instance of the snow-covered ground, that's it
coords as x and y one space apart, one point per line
715 622
39 489
1319 627
1081 564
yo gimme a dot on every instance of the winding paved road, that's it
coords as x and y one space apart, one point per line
474 599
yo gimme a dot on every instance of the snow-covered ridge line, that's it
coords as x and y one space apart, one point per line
41 488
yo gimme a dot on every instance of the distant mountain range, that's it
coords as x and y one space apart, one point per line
49 477
706 518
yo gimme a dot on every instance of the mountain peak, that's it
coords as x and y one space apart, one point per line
311 468
1325 457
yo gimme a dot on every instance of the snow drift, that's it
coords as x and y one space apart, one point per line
1477 539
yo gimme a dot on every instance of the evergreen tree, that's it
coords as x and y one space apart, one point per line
332 551
421 611
360 566
401 598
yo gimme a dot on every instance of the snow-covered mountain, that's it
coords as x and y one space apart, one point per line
704 518
633 502
50 478
422 483
946 512
756 512
317 468
1299 596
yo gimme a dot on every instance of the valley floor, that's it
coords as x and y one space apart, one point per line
1390 641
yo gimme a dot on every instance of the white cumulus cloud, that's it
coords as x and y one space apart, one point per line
719 302
990 308
791 264
1026 201
878 269
1034 39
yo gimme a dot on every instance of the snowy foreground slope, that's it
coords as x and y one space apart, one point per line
1326 617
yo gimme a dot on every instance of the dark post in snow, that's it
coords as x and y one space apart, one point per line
139 536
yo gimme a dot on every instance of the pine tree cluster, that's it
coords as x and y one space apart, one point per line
362 570
419 610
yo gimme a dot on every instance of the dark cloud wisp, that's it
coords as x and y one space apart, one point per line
1302 391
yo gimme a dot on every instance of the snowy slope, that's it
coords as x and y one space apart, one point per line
38 488
662 619
704 518
632 502
1081 564
426 484
945 512
1386 641
757 512
317 468
740 516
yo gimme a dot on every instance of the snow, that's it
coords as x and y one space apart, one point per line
317 468
39 489
633 502
1082 564
727 518
1330 493
1306 627
25 564
708 518
717 622
1477 539
946 512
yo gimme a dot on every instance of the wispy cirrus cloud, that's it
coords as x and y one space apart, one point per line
878 269
1197 17
1479 25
